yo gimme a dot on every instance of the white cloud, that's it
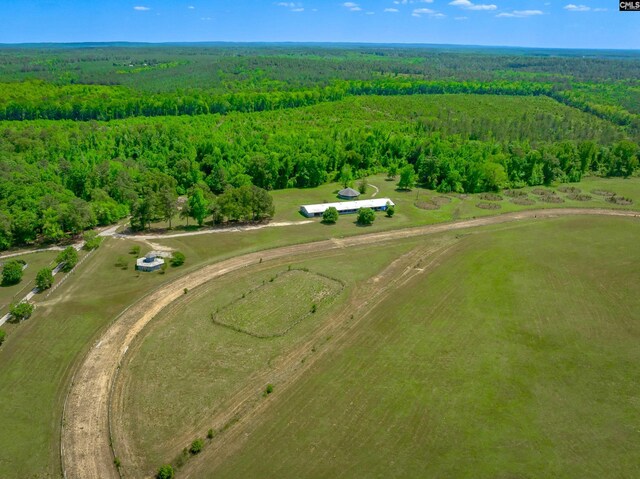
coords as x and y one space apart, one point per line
577 8
206 19
407 2
293 6
419 12
468 5
354 7
520 14
391 10
141 8
191 7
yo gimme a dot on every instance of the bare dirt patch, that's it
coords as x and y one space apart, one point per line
619 200
490 197
579 197
569 189
542 192
488 206
515 193
551 199
603 192
523 201
427 205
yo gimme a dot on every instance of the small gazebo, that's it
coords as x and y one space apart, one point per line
348 194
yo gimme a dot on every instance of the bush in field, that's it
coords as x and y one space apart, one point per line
391 210
44 279
407 178
165 472
69 257
330 216
196 447
366 216
91 240
11 273
178 259
135 250
20 311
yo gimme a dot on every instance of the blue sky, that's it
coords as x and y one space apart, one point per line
533 23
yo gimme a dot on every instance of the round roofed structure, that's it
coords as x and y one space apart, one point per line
348 194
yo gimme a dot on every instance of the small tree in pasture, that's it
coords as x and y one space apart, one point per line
330 215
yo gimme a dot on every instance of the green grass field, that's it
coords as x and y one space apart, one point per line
299 293
515 357
208 364
39 355
35 262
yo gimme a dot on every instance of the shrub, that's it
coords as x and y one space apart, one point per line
330 215
391 210
20 311
135 250
196 447
44 279
177 259
69 258
11 273
268 390
3 335
366 216
165 472
362 185
314 308
186 290
91 240
210 434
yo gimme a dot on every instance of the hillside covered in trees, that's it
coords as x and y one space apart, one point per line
92 134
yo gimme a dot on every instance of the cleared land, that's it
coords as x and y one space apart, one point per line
277 305
85 436
514 358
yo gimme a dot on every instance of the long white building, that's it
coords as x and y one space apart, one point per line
346 207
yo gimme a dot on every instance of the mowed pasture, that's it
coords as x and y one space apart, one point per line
515 357
277 305
186 373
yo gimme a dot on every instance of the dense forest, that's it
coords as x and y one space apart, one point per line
92 134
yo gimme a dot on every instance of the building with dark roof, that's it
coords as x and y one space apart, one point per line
348 194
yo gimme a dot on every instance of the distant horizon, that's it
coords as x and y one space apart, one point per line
90 43
544 24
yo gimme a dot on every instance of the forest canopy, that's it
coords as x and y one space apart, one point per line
94 134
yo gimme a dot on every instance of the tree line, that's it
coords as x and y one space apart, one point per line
58 178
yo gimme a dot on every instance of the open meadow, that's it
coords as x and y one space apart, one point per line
505 350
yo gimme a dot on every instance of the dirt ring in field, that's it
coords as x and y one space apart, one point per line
579 197
619 200
603 192
551 199
490 197
441 200
488 206
542 192
569 189
514 193
427 205
523 201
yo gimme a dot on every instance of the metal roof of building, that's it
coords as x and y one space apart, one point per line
349 193
347 205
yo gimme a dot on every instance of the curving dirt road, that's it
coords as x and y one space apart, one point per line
85 442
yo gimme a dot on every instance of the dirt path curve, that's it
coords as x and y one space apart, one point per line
85 441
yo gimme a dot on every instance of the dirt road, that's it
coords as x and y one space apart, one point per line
85 442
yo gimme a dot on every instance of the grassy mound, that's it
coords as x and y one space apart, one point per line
523 201
579 197
619 200
490 197
569 189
